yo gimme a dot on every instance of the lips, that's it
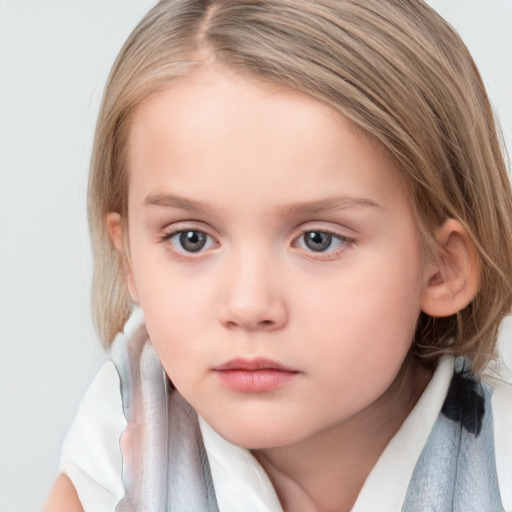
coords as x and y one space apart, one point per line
254 375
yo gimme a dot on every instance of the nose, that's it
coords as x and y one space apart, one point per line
253 298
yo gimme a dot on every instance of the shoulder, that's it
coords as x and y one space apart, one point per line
91 456
63 497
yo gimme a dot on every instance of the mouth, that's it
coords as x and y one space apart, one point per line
254 375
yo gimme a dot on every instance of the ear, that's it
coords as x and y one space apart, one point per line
454 278
117 235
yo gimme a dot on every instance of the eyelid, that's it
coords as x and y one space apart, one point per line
187 225
334 229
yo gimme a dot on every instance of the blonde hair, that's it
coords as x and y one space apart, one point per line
394 68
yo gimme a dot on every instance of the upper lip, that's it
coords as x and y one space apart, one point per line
253 365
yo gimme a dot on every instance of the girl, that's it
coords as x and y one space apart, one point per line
300 216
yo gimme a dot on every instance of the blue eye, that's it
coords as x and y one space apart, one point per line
190 240
320 241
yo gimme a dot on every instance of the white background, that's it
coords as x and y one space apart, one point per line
54 58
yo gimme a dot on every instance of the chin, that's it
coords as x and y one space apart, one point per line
258 436
255 442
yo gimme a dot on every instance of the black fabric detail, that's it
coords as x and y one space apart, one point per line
464 402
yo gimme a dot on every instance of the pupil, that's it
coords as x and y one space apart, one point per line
192 241
318 241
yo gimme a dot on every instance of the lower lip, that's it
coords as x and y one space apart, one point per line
255 381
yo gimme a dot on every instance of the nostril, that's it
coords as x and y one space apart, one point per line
252 311
262 324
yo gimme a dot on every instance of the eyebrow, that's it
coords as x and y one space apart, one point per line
289 210
172 201
327 205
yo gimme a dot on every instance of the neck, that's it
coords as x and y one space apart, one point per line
326 472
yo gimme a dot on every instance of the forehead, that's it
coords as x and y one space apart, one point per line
218 132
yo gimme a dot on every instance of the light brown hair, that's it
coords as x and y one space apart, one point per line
394 68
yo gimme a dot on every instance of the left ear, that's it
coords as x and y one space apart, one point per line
453 278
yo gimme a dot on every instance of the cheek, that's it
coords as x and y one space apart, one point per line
369 312
370 297
361 353
174 312
178 318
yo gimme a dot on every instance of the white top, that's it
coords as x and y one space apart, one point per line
91 455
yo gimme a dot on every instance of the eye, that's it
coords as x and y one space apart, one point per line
321 241
190 241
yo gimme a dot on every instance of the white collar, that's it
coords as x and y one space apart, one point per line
239 480
242 484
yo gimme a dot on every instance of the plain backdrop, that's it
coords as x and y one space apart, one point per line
54 59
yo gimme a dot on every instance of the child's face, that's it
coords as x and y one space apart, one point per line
274 254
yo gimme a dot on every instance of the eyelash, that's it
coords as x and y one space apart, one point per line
346 242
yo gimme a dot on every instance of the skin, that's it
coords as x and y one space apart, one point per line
343 318
254 169
63 497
